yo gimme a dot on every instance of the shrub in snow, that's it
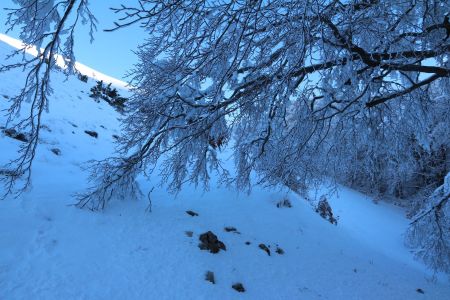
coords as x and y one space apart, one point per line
83 77
279 251
429 232
109 94
284 203
323 208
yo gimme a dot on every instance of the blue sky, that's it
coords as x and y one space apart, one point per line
111 52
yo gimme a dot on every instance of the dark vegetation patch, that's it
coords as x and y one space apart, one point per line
279 251
108 94
284 203
324 210
10 173
83 77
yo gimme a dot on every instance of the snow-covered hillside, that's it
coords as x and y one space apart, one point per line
50 250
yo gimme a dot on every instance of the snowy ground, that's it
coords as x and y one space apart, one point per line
49 250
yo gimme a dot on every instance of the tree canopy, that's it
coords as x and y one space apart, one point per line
297 90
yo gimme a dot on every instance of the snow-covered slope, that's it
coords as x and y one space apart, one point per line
49 250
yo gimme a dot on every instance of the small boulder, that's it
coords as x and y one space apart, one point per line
91 133
56 151
12 133
209 241
231 229
192 213
238 287
209 276
265 248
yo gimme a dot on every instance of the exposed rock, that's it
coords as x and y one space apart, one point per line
209 241
192 213
12 133
420 291
265 248
238 287
209 276
231 229
247 243
91 133
56 151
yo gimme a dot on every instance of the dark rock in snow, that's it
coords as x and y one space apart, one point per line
238 287
209 241
231 229
209 276
12 133
91 133
56 151
420 291
247 243
264 247
192 213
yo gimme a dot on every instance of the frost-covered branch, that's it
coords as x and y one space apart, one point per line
429 233
48 26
